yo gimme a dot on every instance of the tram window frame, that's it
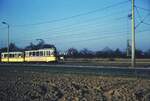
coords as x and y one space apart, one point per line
27 54
37 53
20 55
15 55
44 53
34 53
41 53
30 54
5 55
47 53
1 55
11 55
52 52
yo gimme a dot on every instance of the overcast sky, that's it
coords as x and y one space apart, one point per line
92 24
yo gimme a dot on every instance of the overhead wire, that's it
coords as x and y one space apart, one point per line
142 20
83 22
76 32
93 38
143 8
95 25
74 16
146 23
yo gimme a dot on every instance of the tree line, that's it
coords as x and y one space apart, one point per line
105 53
84 53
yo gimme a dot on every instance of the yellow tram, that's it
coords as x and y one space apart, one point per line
40 55
13 57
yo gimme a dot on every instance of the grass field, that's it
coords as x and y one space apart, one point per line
109 61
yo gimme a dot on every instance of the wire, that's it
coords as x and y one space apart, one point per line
104 32
145 30
95 37
146 23
91 20
138 13
74 16
99 25
72 32
115 18
102 38
142 8
142 20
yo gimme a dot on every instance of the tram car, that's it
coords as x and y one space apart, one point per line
40 55
13 57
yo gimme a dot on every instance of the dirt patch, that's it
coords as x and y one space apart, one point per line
33 86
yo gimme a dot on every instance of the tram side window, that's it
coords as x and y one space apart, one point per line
27 53
52 52
37 53
5 55
11 55
44 53
19 55
47 53
33 53
2 55
30 54
16 55
41 53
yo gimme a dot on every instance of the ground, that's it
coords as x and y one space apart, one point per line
44 86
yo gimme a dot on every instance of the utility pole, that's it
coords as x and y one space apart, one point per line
133 36
7 40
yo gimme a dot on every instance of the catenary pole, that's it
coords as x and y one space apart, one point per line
133 36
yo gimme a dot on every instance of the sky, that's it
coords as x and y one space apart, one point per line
91 24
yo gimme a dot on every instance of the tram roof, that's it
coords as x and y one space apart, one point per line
12 53
40 50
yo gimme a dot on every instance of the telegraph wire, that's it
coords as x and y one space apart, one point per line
138 13
102 37
142 8
142 20
79 40
123 33
59 37
93 19
92 27
146 23
74 16
57 30
93 38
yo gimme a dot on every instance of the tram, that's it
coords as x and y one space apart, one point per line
40 55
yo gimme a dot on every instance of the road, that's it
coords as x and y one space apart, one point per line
76 69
